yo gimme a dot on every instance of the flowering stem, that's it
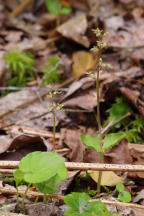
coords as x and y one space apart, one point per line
99 119
54 127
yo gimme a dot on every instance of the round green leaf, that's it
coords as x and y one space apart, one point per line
120 187
41 166
48 186
124 196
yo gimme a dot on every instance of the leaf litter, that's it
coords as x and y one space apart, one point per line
31 31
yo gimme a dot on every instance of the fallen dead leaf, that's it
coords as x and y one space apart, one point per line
75 29
71 138
82 61
109 178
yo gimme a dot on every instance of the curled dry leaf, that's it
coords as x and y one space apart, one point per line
82 61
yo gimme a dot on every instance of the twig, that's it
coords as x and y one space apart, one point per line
31 131
30 194
112 123
85 166
109 202
4 213
20 8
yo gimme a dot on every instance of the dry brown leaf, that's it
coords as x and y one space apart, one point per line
75 29
82 61
86 100
109 178
71 138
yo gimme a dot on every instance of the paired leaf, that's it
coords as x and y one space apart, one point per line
112 139
91 141
123 196
77 202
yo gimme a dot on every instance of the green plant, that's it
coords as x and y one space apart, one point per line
50 70
21 67
53 109
132 126
43 169
123 195
97 143
56 7
79 205
118 110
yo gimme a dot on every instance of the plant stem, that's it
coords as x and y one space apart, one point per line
45 199
54 127
24 196
17 201
99 121
58 21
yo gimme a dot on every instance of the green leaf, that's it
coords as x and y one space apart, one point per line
97 208
41 166
77 201
18 177
120 187
124 196
119 109
51 71
48 186
112 139
91 141
54 6
66 10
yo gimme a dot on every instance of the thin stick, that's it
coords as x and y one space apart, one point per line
27 130
30 194
20 8
112 123
84 166
4 213
109 202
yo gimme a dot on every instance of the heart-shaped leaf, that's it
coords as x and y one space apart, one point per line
41 166
91 141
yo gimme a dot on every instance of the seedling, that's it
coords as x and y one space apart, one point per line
50 70
43 169
21 67
79 205
53 109
56 7
123 196
97 143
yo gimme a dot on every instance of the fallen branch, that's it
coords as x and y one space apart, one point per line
85 166
20 8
